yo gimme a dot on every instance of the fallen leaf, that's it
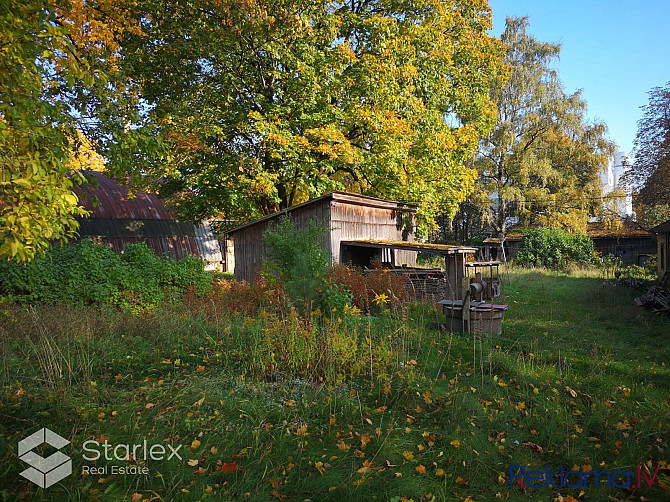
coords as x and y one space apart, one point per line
536 448
228 468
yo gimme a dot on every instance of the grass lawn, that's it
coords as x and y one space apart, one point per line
579 379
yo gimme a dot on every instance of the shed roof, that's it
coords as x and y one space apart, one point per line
114 201
349 198
411 246
595 230
663 228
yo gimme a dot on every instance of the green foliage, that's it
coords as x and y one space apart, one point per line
37 202
336 297
264 105
297 258
554 248
429 403
650 173
373 289
541 162
92 274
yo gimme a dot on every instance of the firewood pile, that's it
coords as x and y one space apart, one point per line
655 299
423 283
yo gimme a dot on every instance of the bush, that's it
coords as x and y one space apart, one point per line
377 286
296 257
554 248
92 274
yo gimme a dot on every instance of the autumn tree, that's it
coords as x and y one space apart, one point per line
257 106
54 97
36 201
650 173
541 162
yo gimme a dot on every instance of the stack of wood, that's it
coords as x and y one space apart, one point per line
656 299
423 282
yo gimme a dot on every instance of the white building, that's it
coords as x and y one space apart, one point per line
611 176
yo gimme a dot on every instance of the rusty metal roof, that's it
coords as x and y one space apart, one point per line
595 230
115 202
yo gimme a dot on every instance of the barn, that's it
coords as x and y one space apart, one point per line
117 218
358 230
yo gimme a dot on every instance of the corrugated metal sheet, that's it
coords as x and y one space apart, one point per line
119 219
172 247
209 248
114 201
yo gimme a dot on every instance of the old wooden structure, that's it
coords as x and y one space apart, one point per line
358 229
662 232
117 219
627 241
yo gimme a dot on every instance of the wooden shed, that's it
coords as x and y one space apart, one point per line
628 242
117 218
662 232
350 220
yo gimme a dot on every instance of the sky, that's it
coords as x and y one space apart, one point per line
615 51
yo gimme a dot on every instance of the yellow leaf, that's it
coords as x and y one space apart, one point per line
213 450
195 444
455 443
439 472
408 455
193 462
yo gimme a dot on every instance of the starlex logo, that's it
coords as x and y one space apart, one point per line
44 472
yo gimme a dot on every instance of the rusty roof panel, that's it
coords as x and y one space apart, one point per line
114 201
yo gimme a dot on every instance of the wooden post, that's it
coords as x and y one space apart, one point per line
465 291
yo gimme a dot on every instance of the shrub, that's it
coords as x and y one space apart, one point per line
297 258
365 287
554 248
229 297
92 274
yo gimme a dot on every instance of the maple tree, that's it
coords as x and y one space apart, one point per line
541 162
36 201
256 106
54 98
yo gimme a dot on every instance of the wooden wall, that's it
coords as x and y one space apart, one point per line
347 217
250 248
627 249
360 222
663 256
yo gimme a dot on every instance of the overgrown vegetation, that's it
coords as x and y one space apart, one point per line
296 257
388 408
554 248
92 274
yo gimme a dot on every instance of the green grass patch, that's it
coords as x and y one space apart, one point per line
378 408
